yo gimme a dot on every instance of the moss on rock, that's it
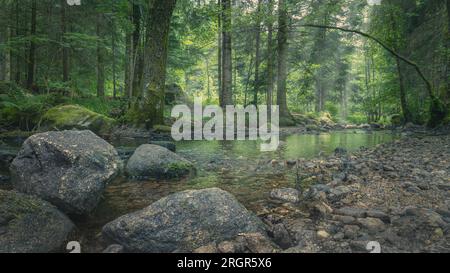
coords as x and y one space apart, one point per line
68 117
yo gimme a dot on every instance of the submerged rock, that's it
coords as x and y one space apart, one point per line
183 222
286 195
153 161
30 225
68 117
70 169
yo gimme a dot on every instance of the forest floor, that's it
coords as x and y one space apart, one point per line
397 195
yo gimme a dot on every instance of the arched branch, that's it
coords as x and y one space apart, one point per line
385 46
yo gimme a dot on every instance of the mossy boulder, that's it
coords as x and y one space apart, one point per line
31 225
68 117
154 162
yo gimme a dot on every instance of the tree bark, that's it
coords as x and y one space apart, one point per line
138 58
128 55
113 47
447 98
257 54
17 62
227 65
32 50
219 50
100 57
150 109
270 59
285 116
403 103
65 51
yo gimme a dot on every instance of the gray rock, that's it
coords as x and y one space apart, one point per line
379 214
256 242
344 219
321 187
373 225
350 211
70 169
183 222
281 236
338 193
30 225
417 226
351 231
153 161
114 249
285 195
166 144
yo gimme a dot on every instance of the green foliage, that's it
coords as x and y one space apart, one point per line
357 118
22 110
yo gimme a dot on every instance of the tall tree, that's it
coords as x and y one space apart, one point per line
65 51
32 49
219 49
285 116
448 54
257 52
149 110
227 66
138 55
270 56
100 56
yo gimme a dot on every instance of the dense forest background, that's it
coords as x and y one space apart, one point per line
128 59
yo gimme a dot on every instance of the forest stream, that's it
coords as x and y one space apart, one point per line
237 167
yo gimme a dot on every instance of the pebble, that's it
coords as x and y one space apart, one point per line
322 234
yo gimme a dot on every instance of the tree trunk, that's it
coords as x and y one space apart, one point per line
32 50
113 47
270 59
65 51
403 103
285 117
219 50
138 58
257 54
100 57
227 66
149 110
447 98
17 55
3 63
128 65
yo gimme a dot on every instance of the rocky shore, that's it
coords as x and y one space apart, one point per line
397 195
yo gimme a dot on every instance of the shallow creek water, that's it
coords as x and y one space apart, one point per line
235 166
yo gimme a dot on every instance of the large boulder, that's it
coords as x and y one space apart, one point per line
68 117
183 222
30 225
69 169
153 161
